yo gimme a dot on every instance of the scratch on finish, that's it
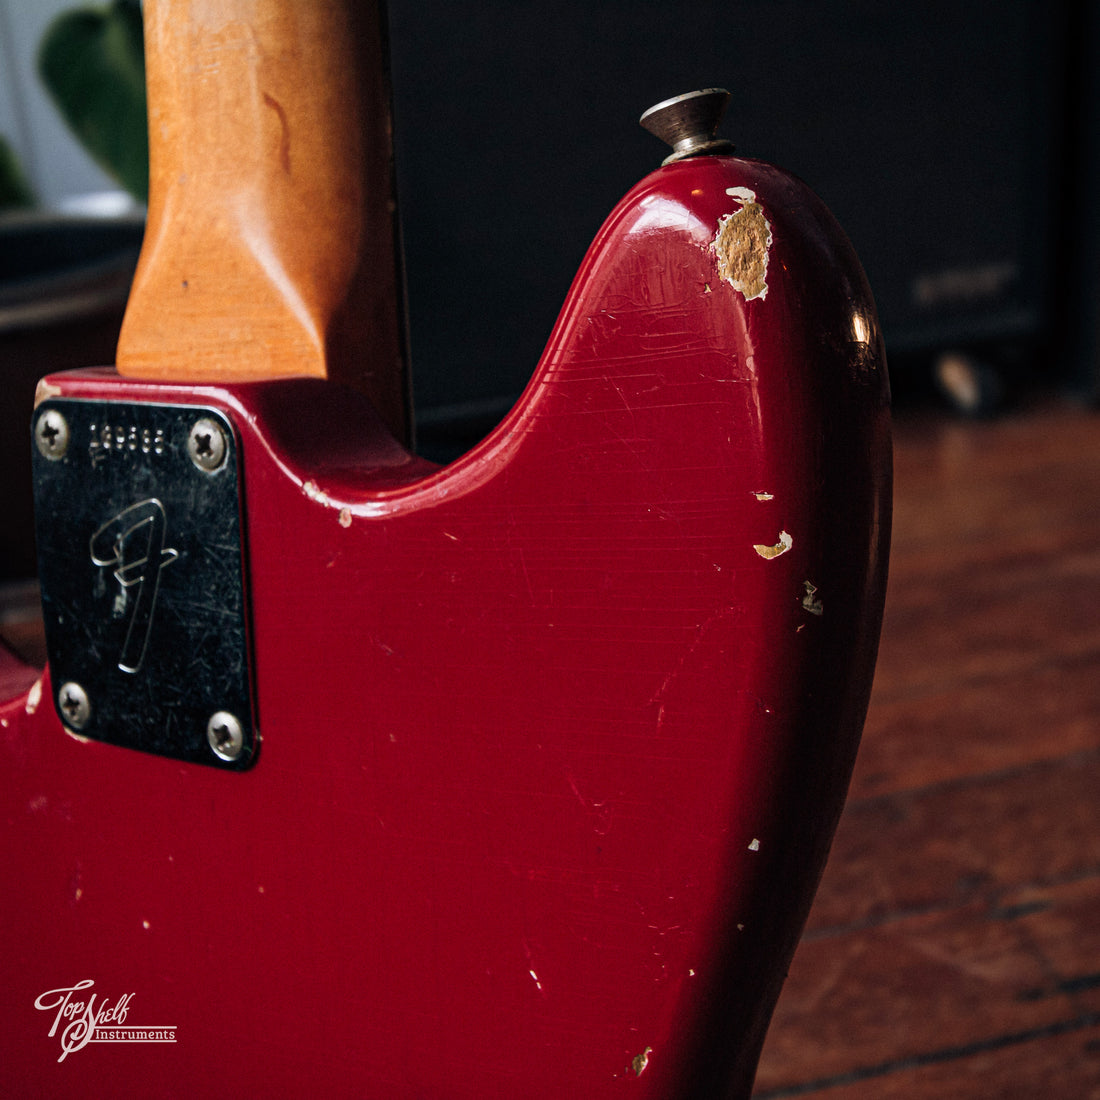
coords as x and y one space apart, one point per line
531 967
661 693
781 547
742 244
526 575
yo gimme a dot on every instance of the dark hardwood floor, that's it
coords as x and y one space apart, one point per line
954 947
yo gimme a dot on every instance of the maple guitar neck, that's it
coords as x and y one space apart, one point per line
270 249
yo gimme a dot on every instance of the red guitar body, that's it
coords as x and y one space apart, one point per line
550 743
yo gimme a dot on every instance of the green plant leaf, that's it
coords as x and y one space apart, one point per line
92 61
14 189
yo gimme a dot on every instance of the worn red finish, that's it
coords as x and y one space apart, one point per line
551 753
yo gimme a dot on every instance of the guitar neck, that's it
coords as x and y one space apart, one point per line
270 248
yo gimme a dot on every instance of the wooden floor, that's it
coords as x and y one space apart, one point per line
954 947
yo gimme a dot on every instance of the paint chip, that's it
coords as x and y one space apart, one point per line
345 517
44 391
781 547
761 495
641 1061
810 600
34 697
315 492
755 845
741 245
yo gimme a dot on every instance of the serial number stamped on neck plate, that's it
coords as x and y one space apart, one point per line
142 570
105 440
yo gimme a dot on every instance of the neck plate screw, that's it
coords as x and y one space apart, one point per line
51 434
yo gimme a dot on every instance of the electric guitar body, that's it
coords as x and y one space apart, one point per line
355 776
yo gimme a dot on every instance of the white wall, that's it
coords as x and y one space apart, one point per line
56 165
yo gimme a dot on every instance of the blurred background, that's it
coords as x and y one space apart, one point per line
954 947
953 140
958 144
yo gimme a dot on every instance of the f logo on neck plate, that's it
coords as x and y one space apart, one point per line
136 568
142 567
